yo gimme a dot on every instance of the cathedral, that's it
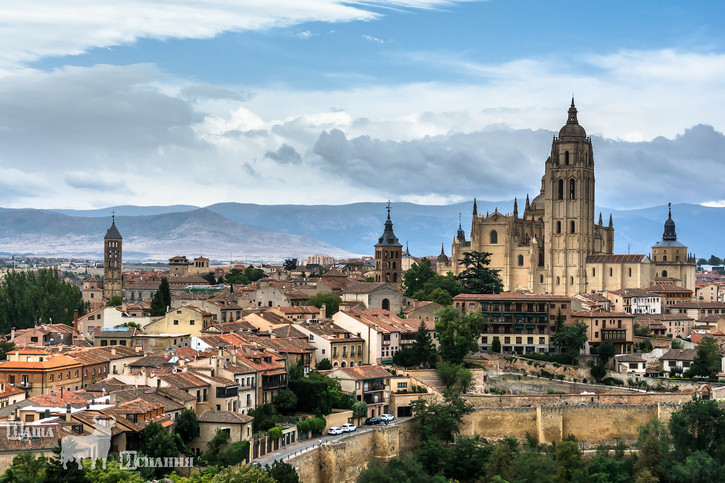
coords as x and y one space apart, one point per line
557 246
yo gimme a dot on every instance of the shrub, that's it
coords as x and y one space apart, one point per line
275 433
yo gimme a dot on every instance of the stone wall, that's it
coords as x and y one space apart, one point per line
344 459
592 425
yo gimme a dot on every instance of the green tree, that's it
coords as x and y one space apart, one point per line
332 302
234 454
606 352
440 296
55 472
417 276
296 371
115 301
653 444
405 469
236 276
454 377
130 324
532 466
156 442
496 345
214 447
559 321
275 433
359 410
187 425
698 426
209 277
26 468
5 347
424 348
707 361
406 357
458 334
477 276
290 264
283 472
111 474
244 474
37 297
569 461
324 365
285 401
253 274
162 299
501 461
316 393
571 338
440 420
714 260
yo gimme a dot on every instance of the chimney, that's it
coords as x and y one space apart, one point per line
12 333
113 351
67 413
323 311
52 398
75 321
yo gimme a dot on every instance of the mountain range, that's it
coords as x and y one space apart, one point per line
243 231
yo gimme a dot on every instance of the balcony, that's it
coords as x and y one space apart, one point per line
25 385
374 398
374 386
386 342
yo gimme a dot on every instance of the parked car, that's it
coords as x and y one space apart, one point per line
386 417
348 428
371 421
334 430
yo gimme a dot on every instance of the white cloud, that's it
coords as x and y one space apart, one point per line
34 29
370 38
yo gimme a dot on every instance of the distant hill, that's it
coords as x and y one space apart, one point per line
151 237
248 230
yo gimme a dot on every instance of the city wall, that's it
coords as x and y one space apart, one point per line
344 459
533 400
592 425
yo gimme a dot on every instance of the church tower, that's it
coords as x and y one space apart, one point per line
388 256
670 258
112 262
569 221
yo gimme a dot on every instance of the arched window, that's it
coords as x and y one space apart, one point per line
572 227
561 189
395 277
521 260
572 189
386 304
677 258
557 280
387 277
393 265
541 279
494 237
558 227
664 258
664 273
343 364
566 157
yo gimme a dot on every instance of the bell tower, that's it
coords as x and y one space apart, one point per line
112 262
388 256
569 208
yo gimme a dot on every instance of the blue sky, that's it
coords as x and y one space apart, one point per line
282 101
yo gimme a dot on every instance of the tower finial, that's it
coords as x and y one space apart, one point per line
600 218
669 210
475 207
388 208
459 220
516 208
611 224
113 216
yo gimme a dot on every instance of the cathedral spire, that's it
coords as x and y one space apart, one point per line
475 208
600 218
528 204
611 225
516 209
669 233
461 234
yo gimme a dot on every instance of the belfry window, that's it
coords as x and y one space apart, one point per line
572 189
572 227
558 227
561 189
494 237
566 157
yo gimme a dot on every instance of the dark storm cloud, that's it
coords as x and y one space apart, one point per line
286 154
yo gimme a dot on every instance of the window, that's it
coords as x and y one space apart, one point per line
191 322
541 279
494 237
664 273
572 227
176 322
611 272
566 157
557 280
594 272
572 189
571 280
561 189
630 272
521 260
558 227
664 258
51 378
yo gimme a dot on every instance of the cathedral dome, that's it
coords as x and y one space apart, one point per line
572 129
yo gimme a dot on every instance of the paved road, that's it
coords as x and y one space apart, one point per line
299 447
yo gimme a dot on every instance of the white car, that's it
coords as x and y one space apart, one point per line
348 428
386 417
334 430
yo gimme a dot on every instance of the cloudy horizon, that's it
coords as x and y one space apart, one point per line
327 102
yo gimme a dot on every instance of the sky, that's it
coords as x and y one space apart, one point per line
327 102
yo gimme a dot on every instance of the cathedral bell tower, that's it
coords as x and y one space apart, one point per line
388 256
569 208
112 262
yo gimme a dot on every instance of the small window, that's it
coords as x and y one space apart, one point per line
558 227
566 157
561 189
594 272
494 237
572 227
557 280
521 260
572 189
541 279
611 272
